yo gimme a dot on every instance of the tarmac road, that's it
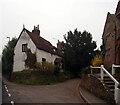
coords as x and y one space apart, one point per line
64 92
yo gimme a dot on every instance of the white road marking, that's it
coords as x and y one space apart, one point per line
5 86
9 94
7 90
12 102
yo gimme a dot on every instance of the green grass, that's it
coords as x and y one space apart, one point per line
29 77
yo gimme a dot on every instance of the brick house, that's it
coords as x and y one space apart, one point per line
118 34
111 38
42 48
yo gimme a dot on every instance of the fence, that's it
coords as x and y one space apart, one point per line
113 68
116 89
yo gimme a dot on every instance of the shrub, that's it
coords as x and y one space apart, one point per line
48 67
45 67
97 61
38 66
31 77
31 59
85 70
56 70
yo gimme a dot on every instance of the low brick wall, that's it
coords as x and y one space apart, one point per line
94 85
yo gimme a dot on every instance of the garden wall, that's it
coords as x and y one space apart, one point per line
94 85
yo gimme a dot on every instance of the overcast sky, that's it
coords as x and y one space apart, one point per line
55 17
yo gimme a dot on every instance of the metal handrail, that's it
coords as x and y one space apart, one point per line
114 66
110 75
115 81
94 68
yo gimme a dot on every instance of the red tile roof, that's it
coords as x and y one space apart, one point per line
40 42
58 60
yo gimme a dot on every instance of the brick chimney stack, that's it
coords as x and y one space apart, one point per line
59 45
36 30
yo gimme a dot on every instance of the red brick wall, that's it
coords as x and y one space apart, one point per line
109 38
118 52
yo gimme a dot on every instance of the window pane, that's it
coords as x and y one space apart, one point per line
24 47
43 59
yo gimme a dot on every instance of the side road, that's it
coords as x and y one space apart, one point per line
64 92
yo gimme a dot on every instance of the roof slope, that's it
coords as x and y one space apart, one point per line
41 43
118 8
111 20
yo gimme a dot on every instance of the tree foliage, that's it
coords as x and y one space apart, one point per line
98 60
103 48
78 50
31 59
7 57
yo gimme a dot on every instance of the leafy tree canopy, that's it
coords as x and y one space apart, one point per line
78 50
7 57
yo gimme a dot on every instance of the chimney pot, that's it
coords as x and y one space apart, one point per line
36 30
38 27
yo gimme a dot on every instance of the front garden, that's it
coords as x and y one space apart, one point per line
44 74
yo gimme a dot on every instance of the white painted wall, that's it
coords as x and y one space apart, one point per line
19 57
48 56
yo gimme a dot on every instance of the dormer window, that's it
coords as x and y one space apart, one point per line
24 47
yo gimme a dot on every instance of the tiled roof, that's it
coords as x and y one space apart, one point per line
41 43
118 8
58 60
113 18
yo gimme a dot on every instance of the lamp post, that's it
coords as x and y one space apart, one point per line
8 38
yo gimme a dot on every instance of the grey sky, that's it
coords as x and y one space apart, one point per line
55 17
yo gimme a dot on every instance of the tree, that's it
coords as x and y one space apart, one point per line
78 50
7 57
102 47
98 60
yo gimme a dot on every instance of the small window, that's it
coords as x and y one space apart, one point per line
43 59
24 47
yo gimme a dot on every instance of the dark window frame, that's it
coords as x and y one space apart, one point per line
24 47
43 59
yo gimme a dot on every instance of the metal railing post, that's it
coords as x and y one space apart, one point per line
115 92
102 73
113 69
91 70
116 89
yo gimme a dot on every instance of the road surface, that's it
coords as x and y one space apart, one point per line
64 92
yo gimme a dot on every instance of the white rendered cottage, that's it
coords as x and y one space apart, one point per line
42 48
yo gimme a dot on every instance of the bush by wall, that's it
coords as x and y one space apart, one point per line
45 67
31 77
97 61
31 59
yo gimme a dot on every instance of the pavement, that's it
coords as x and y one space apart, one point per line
90 98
